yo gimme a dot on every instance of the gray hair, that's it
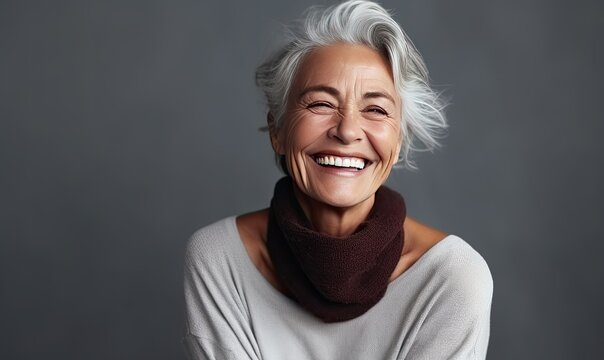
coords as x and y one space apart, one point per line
365 23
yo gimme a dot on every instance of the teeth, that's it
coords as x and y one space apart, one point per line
341 162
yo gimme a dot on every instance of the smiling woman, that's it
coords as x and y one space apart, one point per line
334 268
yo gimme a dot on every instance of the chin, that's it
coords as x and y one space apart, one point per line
335 188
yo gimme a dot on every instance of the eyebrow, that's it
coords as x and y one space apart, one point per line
320 88
378 94
334 92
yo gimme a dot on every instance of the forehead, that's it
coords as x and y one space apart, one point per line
342 63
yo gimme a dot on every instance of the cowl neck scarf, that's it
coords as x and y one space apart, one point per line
335 278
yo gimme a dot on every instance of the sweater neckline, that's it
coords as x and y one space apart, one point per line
251 274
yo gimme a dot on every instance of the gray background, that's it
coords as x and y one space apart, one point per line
127 125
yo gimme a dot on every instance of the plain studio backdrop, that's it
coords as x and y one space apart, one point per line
127 125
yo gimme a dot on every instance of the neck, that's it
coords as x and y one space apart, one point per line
331 220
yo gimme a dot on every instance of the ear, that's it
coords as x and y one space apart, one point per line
274 134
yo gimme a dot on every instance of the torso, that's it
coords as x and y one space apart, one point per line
252 227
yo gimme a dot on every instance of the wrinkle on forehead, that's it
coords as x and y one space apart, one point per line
330 66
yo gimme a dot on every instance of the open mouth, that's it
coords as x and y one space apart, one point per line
353 163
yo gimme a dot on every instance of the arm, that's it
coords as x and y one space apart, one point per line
217 326
457 322
198 348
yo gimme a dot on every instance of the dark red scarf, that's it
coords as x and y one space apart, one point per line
335 278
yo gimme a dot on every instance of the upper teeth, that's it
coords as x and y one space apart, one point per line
340 162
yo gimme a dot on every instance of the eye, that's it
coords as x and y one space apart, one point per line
376 110
321 108
320 104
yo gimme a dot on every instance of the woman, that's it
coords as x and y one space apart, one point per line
334 269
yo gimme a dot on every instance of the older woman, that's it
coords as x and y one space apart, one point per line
334 269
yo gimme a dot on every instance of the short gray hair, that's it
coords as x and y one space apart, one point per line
365 23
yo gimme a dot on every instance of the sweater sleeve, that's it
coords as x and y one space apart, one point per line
217 322
456 324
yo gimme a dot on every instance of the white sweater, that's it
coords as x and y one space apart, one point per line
439 308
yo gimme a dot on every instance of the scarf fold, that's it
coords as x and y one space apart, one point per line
335 278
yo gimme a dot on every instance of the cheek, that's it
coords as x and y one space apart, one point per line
386 140
300 134
296 138
287 134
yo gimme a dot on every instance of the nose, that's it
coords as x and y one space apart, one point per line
348 128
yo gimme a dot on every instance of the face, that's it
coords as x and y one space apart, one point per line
341 131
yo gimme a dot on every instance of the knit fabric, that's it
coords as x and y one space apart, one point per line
335 278
439 308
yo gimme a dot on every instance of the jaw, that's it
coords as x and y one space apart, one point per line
331 211
335 186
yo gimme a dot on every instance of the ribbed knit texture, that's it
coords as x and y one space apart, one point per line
335 278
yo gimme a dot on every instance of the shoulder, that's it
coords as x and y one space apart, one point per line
449 256
211 243
464 261
462 272
455 293
214 293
